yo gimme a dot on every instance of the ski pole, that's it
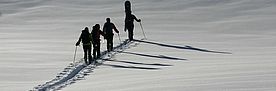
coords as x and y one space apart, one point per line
143 30
119 38
75 55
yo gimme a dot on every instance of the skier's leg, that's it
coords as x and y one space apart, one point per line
89 54
131 33
108 44
85 53
111 43
94 51
98 50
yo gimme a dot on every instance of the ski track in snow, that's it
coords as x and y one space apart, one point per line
78 71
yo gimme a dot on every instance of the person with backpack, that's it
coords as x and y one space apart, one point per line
96 32
129 19
108 32
86 40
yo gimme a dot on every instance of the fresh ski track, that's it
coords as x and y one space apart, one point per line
78 70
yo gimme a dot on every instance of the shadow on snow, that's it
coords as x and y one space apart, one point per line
181 47
130 67
134 67
139 63
154 56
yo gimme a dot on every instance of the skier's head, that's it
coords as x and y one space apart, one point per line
127 3
107 19
127 7
94 28
86 29
97 26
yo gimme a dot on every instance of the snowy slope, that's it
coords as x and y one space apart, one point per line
193 45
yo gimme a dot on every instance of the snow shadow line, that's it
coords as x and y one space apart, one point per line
130 67
134 67
139 63
182 47
155 56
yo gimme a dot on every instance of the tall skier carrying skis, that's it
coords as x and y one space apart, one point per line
129 19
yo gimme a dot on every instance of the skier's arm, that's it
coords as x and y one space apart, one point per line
90 37
134 17
116 30
104 29
125 28
102 33
78 43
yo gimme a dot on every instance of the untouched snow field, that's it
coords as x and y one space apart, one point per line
192 45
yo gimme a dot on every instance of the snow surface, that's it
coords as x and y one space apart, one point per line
192 45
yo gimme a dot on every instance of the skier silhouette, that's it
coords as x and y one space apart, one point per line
108 32
129 19
96 32
86 39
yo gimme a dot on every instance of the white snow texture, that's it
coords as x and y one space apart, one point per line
191 45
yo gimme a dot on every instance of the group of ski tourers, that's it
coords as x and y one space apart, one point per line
93 39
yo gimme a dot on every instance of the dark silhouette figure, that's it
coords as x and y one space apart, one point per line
86 39
96 32
129 19
108 32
